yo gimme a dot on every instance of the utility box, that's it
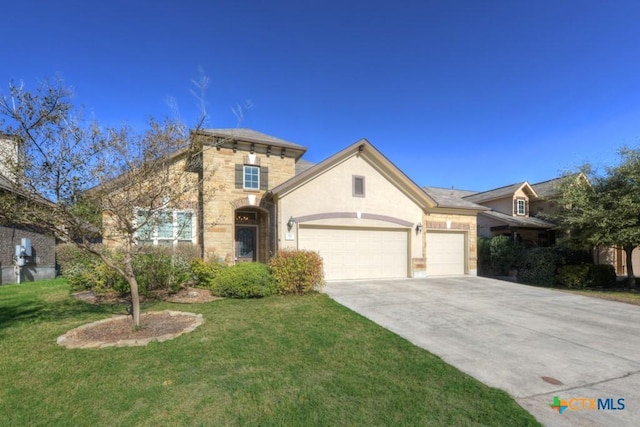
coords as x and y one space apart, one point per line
26 244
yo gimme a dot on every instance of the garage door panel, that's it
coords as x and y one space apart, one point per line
352 253
446 253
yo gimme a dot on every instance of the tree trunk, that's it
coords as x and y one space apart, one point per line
135 296
631 280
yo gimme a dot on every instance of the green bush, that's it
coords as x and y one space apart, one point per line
85 271
69 255
586 276
297 272
205 271
484 256
159 269
244 280
156 269
504 253
538 266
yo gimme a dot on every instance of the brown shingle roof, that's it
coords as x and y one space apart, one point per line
251 135
519 221
452 198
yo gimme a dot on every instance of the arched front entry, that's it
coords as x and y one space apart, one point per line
250 237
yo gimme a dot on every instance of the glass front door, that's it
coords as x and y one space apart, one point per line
246 244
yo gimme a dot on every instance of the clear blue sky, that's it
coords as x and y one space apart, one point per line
472 94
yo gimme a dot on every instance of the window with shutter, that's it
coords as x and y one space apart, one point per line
239 175
251 178
264 178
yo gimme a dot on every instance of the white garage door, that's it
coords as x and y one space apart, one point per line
445 253
351 253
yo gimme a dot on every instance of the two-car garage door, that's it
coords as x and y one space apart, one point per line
358 253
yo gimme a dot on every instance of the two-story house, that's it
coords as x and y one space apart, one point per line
364 216
513 209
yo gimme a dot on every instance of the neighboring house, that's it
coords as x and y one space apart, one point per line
513 211
41 264
364 216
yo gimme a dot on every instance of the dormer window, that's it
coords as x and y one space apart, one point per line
521 207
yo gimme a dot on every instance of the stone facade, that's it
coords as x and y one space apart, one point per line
456 222
223 199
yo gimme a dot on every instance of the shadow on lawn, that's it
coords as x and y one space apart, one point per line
32 309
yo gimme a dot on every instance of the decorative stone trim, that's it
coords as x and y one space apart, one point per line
68 340
442 225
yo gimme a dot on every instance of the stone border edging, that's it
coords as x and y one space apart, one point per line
68 341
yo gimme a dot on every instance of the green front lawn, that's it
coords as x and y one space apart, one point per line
630 297
282 361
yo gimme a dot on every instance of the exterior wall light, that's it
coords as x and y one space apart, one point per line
290 223
419 228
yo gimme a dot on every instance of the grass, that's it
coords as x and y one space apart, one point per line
630 297
271 362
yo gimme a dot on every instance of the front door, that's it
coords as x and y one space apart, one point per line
246 244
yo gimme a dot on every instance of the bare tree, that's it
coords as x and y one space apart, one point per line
79 180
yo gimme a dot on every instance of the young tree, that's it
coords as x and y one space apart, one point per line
79 180
605 209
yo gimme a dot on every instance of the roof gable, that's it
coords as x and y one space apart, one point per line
373 156
550 188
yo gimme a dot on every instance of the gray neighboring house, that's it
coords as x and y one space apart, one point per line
510 210
41 264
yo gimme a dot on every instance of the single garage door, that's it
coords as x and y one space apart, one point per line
358 253
445 253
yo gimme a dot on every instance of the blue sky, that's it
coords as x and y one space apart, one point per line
471 94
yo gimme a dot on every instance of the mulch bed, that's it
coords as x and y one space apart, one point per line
120 331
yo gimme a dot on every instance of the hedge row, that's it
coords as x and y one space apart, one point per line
161 269
542 266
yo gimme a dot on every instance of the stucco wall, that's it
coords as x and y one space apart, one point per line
332 192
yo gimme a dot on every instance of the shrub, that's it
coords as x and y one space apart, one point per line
205 271
586 276
244 280
78 267
68 255
161 268
484 256
504 253
156 269
297 272
538 266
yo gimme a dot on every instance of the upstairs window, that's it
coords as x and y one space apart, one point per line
521 207
358 187
251 179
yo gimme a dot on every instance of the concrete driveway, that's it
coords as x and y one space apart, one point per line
533 343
